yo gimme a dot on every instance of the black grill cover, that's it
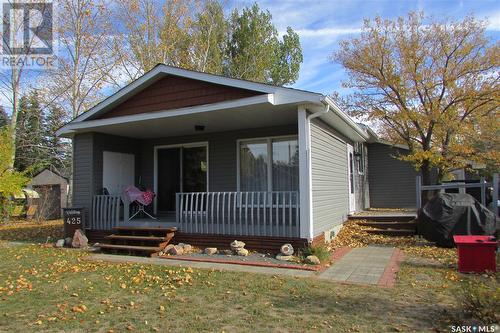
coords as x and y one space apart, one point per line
448 214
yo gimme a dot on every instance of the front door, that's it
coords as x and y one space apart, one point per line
180 169
350 178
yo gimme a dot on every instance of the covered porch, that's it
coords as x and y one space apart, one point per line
225 172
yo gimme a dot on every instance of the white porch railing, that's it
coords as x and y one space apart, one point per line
105 212
239 213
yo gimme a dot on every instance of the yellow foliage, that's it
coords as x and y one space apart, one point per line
11 181
430 84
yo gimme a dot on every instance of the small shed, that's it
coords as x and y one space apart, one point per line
53 189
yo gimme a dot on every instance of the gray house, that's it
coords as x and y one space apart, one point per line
224 157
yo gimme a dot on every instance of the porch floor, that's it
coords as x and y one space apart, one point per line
162 221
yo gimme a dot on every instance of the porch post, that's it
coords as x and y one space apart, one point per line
306 221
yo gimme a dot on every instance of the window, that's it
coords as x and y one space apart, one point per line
254 161
285 165
360 157
269 164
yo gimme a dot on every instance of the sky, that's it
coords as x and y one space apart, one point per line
322 24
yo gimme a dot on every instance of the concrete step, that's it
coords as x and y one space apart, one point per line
391 232
390 225
375 218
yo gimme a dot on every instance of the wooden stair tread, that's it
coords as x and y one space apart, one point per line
171 229
130 247
137 238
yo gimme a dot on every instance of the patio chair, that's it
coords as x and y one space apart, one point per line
141 198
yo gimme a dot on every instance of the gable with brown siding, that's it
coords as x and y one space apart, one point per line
173 92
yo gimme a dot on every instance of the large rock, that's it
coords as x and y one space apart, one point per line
236 245
60 243
242 252
79 239
187 248
210 250
283 257
168 247
287 249
68 241
313 260
176 250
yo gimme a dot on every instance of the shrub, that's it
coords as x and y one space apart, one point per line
320 251
481 300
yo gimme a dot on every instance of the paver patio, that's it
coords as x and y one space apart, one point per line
361 265
369 265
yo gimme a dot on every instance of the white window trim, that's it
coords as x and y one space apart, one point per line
268 140
181 145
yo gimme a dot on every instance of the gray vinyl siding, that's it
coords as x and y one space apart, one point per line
330 197
83 171
392 181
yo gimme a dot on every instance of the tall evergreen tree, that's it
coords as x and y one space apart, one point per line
4 118
30 140
58 150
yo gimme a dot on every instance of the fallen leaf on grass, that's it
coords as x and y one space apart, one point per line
79 308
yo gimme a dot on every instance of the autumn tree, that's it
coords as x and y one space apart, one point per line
13 79
181 33
430 84
155 32
11 181
86 59
208 39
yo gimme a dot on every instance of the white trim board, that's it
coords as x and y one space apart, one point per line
179 145
162 70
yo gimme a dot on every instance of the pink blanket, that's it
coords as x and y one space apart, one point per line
142 197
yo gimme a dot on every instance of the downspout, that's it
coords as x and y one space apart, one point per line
308 151
318 114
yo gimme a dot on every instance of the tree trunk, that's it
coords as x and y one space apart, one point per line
15 112
426 180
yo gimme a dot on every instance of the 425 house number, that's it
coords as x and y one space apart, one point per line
74 220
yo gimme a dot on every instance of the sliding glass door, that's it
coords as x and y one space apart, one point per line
181 168
194 169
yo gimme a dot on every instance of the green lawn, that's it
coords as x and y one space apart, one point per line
46 289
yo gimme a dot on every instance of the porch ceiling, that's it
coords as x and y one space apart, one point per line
255 116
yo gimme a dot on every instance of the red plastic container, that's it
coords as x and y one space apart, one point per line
476 254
